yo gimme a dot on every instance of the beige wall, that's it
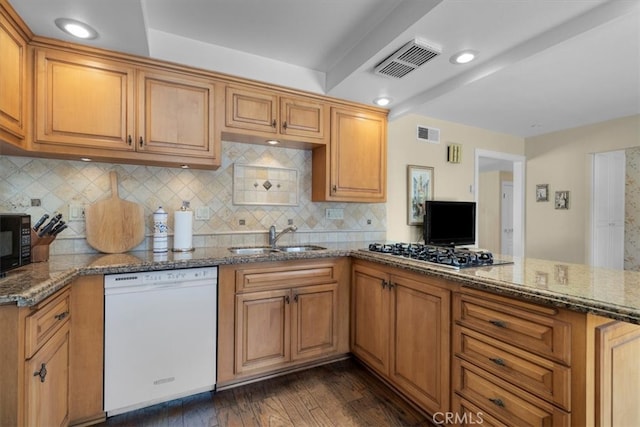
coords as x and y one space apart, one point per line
451 181
563 160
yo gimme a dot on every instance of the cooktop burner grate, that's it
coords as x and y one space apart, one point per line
446 256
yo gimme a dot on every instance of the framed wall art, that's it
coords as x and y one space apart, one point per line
542 193
562 200
419 189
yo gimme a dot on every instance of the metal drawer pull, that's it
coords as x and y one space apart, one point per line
497 402
498 323
384 284
498 361
42 373
62 315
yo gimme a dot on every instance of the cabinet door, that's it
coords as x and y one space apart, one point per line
617 374
47 383
83 101
13 81
262 330
251 109
370 317
314 321
420 319
300 117
175 114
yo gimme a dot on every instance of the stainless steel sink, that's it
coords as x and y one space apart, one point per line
259 250
304 248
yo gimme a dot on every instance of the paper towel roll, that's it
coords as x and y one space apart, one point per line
183 231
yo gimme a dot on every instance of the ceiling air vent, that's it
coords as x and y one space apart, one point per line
428 134
406 59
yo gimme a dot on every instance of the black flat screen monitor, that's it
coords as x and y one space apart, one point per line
448 223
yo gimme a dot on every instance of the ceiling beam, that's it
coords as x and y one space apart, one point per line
593 18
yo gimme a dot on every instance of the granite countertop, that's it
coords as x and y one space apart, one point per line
609 293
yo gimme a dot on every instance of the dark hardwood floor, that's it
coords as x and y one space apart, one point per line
339 394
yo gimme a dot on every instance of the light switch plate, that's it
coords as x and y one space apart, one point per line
334 213
202 213
76 212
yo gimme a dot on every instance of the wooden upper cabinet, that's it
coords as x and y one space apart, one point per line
83 101
268 115
13 82
175 114
354 167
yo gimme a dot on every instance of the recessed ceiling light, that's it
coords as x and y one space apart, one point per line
382 101
463 57
76 28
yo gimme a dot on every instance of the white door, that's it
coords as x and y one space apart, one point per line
607 247
506 219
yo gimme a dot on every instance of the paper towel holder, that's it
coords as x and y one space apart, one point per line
183 208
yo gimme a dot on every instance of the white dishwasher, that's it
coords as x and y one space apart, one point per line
160 336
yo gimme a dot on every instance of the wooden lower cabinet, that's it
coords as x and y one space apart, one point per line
46 378
617 374
51 363
274 316
401 328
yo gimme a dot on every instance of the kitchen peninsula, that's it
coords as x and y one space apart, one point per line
555 321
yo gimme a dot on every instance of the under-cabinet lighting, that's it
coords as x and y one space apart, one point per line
273 141
76 28
184 166
85 159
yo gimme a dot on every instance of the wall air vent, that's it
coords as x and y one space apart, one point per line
428 134
406 59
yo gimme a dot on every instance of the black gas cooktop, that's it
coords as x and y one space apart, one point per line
455 258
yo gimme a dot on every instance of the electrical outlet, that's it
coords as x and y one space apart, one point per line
76 212
334 213
202 213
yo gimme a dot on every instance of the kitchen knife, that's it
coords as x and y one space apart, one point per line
41 221
47 228
52 232
57 230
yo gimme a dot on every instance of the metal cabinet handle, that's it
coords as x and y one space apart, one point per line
498 323
129 140
498 361
497 402
141 142
384 284
391 285
62 315
287 299
274 123
42 373
284 125
334 189
295 297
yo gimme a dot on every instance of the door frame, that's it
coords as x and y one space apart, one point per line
519 165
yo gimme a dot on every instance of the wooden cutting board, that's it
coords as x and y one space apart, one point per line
114 225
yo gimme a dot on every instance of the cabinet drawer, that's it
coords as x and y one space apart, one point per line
502 400
265 278
45 321
544 378
465 413
539 333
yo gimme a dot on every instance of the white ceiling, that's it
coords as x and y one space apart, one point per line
542 66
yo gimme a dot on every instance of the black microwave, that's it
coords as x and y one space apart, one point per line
15 241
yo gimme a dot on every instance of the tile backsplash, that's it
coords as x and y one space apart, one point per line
632 211
59 183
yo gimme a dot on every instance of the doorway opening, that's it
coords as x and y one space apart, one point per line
500 194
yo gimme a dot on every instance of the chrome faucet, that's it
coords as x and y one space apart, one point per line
273 237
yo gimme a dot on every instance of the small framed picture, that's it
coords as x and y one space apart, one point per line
562 200
419 189
542 193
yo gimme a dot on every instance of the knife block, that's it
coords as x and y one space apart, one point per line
40 247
